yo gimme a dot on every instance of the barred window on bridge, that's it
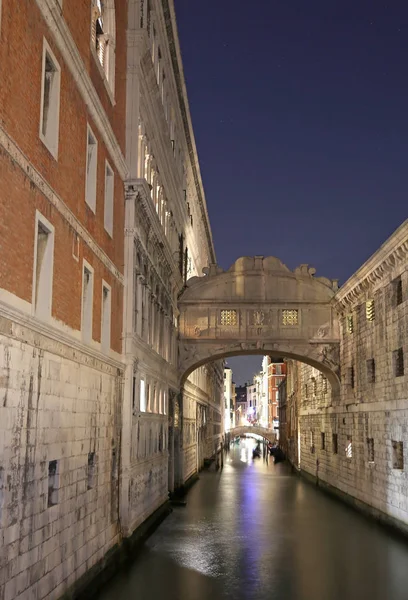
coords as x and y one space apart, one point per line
229 317
290 317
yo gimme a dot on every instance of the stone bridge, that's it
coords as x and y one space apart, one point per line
259 306
268 434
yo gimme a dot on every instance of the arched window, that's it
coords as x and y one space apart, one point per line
103 34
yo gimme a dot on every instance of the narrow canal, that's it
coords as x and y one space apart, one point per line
254 531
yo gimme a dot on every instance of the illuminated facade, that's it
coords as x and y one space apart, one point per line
229 400
168 432
276 373
241 405
103 220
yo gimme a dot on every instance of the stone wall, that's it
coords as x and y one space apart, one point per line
358 443
59 443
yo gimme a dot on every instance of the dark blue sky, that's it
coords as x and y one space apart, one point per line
300 113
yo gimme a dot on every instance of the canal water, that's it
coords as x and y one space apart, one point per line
254 531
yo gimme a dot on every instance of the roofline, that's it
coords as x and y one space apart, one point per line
177 64
395 242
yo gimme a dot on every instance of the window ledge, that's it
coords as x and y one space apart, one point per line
104 78
51 150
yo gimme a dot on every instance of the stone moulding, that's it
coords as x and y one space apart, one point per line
21 328
18 157
188 129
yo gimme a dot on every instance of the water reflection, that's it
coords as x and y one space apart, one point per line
254 531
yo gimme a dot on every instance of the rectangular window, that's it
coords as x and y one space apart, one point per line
290 317
50 100
398 359
370 364
397 455
114 467
350 376
312 443
323 440
324 384
1 468
370 310
134 394
43 267
109 187
397 291
87 303
350 323
335 446
349 447
106 317
370 450
142 396
52 483
91 169
148 398
229 317
91 470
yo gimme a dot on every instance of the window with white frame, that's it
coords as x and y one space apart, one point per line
103 38
106 317
143 405
87 302
50 100
109 186
91 169
43 267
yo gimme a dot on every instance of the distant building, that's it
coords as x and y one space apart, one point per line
276 374
229 392
251 402
288 399
241 405
233 405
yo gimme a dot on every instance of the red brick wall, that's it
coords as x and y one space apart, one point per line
21 49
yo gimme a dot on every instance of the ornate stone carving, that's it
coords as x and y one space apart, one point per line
323 331
329 355
188 352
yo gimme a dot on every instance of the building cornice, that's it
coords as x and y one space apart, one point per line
73 60
185 114
375 270
19 158
20 326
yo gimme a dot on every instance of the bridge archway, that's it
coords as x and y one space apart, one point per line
267 434
260 306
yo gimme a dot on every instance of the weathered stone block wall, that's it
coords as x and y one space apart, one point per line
371 417
189 432
59 406
148 487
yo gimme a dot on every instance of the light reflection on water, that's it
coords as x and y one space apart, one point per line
254 531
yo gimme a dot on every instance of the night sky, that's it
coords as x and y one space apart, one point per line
300 114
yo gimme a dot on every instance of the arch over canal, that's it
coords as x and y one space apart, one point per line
268 434
259 306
